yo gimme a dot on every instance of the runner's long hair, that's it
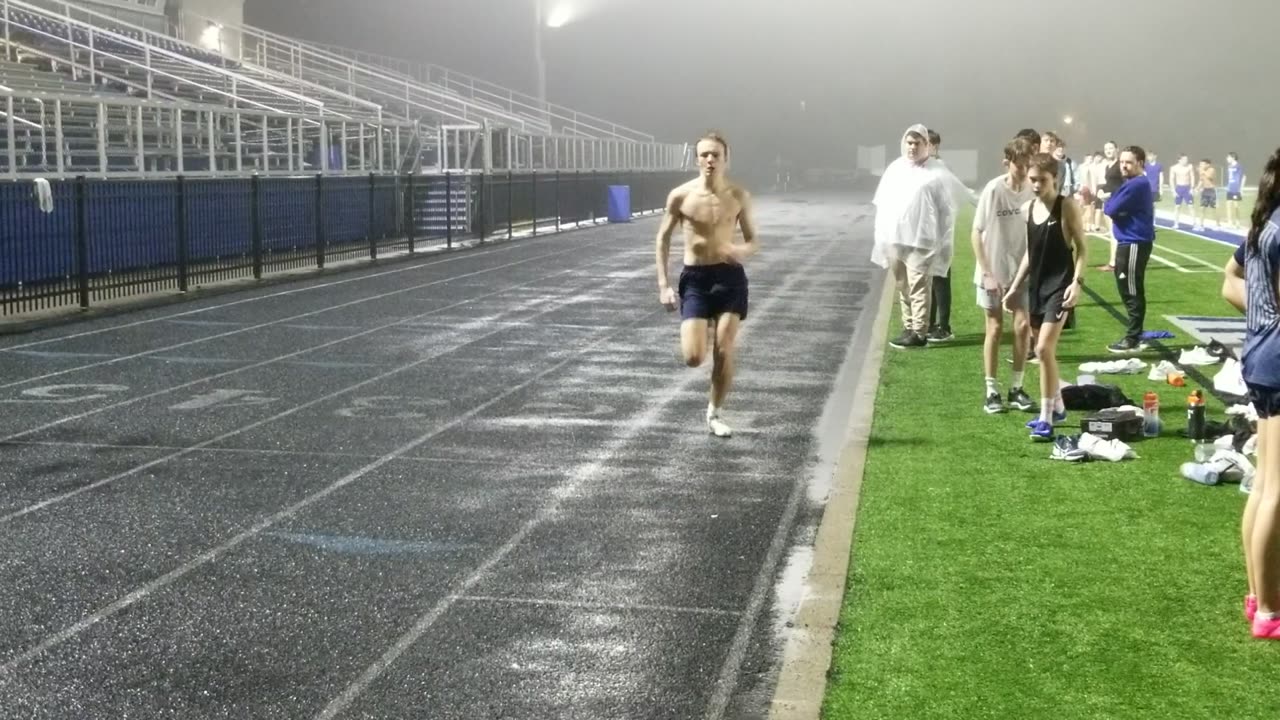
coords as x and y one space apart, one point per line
1268 200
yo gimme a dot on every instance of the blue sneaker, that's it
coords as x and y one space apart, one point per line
1058 418
1041 430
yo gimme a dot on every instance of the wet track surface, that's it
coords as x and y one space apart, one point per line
472 486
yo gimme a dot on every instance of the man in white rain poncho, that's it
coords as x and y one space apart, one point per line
915 214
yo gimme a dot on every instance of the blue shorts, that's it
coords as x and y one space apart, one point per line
1182 195
1234 195
709 291
1266 400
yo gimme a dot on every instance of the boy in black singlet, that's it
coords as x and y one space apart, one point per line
1052 268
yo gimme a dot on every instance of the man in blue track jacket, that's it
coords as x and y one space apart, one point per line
1132 212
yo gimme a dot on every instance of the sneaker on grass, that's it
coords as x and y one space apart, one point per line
993 405
909 340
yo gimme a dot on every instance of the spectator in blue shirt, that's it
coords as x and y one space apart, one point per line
1133 225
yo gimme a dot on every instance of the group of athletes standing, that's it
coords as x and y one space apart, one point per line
1028 240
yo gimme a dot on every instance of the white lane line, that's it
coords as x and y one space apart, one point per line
523 464
586 605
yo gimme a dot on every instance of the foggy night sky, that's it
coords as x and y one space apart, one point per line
976 71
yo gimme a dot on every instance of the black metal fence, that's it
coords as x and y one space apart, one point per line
104 239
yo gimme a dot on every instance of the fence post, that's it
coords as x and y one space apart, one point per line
483 207
448 210
535 203
320 221
413 214
557 200
511 204
373 243
255 204
82 240
183 270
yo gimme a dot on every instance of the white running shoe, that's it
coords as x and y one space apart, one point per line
717 426
1162 371
1197 356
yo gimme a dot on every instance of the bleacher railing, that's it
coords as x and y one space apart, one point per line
108 239
298 56
59 135
150 47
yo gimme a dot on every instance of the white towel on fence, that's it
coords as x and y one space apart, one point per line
44 195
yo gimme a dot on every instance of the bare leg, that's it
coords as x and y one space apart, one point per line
722 370
1251 512
1021 338
991 345
693 341
1047 351
1266 524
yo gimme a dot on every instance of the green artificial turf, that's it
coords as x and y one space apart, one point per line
988 581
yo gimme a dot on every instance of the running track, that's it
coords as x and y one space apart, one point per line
472 486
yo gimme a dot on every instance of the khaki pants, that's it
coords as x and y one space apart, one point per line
913 294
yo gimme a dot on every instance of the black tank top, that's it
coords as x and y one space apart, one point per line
1052 263
1114 178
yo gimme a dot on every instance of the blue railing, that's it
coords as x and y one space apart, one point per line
109 238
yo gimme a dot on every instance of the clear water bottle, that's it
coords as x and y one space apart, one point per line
1151 415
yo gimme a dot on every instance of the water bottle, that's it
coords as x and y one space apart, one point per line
1150 415
1196 424
1195 416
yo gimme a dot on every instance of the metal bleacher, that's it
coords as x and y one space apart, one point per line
83 92
539 134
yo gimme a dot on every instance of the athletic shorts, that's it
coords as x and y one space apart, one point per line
1209 198
1234 196
1182 195
1050 310
708 291
1266 400
985 302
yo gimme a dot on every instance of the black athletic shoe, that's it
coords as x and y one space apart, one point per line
993 405
1220 351
1127 345
902 340
940 335
1021 400
910 341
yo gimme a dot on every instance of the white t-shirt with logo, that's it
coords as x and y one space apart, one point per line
1004 229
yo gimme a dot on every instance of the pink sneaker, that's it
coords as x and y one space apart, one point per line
1266 629
1250 607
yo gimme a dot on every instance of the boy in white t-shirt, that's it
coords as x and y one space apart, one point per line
999 242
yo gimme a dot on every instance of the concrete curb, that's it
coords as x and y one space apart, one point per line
807 657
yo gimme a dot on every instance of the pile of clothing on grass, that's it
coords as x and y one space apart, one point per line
1221 447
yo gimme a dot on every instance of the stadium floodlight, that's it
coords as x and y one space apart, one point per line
560 15
211 37
1068 120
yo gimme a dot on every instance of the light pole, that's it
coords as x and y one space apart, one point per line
539 60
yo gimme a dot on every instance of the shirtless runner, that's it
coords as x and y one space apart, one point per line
1182 177
712 289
